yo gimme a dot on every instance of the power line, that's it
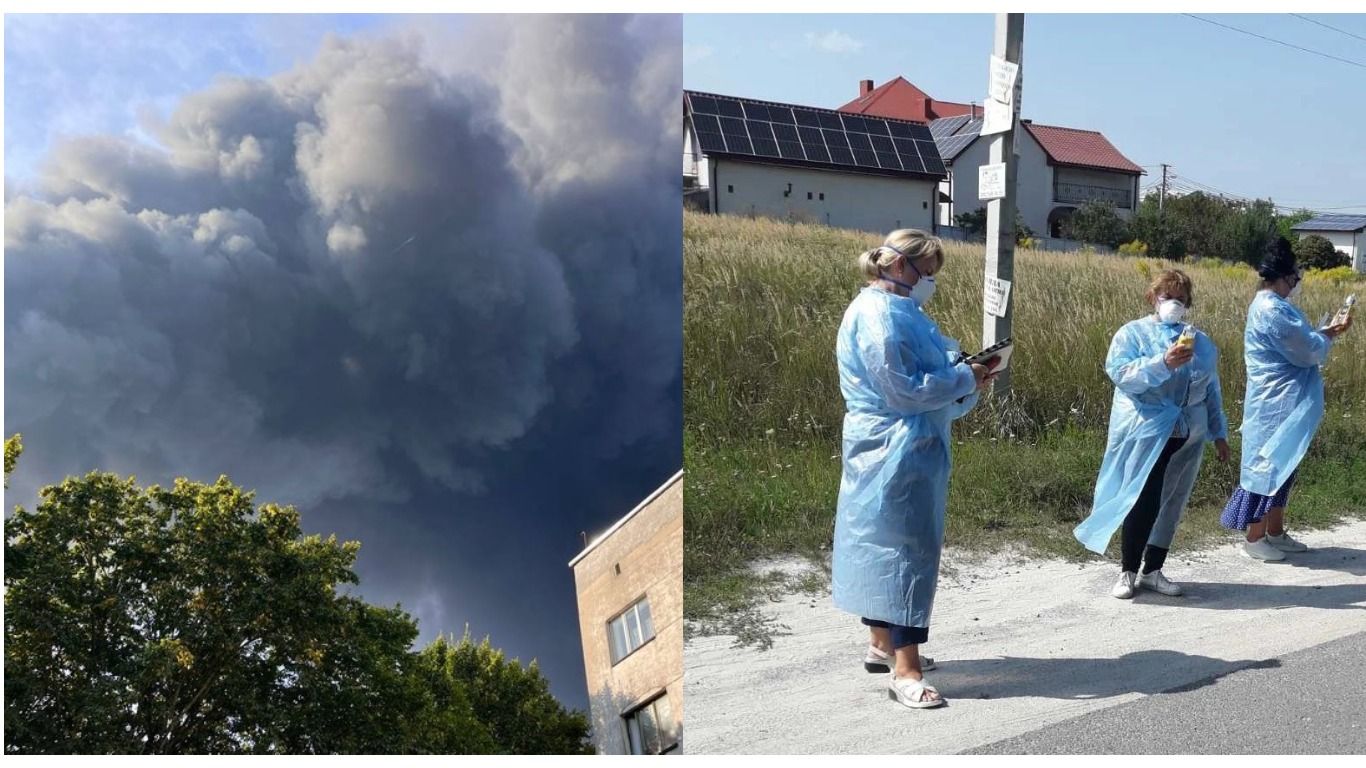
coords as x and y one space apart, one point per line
1328 26
1278 42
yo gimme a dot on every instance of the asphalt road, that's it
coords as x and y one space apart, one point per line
1309 702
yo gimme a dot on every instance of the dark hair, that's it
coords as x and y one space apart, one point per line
1278 259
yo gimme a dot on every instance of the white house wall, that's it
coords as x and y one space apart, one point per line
1033 183
1097 178
1034 187
852 201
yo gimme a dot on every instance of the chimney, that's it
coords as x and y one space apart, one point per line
865 87
929 109
972 105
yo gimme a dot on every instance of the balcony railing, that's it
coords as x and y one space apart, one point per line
1083 193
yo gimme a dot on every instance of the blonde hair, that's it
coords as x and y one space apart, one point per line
914 244
1167 280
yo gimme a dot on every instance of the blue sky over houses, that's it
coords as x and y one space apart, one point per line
359 265
1227 110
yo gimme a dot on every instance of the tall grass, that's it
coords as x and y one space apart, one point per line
763 411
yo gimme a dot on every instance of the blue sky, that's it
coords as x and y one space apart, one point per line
1231 112
102 73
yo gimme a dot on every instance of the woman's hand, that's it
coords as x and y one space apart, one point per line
1334 331
1178 355
983 373
1221 447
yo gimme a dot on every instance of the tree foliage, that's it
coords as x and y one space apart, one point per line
1200 224
1317 252
1097 223
185 620
975 222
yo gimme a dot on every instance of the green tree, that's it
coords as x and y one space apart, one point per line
1317 252
1158 231
1286 222
513 703
185 620
1096 222
13 447
975 222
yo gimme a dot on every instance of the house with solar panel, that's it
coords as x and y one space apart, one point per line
1059 168
1346 231
761 158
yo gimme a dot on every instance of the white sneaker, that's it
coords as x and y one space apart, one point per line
1285 544
1159 583
1124 588
1262 550
878 662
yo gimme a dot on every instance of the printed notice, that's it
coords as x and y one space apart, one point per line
991 181
996 117
997 296
1002 80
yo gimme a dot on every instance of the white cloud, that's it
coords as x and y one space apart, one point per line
695 52
833 41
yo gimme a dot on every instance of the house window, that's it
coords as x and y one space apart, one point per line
630 630
822 195
650 730
808 195
730 187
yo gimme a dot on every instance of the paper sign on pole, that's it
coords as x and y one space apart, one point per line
997 296
996 117
1001 86
991 181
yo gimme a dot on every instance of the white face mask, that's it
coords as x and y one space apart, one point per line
923 290
1171 311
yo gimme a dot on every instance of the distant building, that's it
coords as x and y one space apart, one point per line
629 582
1059 168
1346 231
787 161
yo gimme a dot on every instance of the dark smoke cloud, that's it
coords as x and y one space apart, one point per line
420 277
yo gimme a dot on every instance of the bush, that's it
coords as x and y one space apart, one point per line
1334 276
1134 248
1316 252
1096 222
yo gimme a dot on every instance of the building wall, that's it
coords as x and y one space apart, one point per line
648 550
1095 178
1033 179
1034 192
852 201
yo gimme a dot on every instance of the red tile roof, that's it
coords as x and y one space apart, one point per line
900 99
1085 149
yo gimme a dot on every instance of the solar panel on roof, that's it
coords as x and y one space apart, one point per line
811 136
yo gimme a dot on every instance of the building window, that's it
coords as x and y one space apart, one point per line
650 729
822 195
630 630
808 195
730 187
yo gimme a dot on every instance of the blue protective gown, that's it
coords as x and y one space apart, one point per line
902 389
1284 401
1152 404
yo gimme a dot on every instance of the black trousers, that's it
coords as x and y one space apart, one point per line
1138 524
901 636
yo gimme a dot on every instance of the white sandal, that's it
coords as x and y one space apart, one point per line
913 693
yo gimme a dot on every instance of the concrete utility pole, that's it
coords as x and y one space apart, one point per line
1000 263
1162 198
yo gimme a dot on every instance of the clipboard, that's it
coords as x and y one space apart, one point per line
1002 348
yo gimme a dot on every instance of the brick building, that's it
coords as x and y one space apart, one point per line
629 582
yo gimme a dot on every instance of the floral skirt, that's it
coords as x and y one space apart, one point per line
1245 508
